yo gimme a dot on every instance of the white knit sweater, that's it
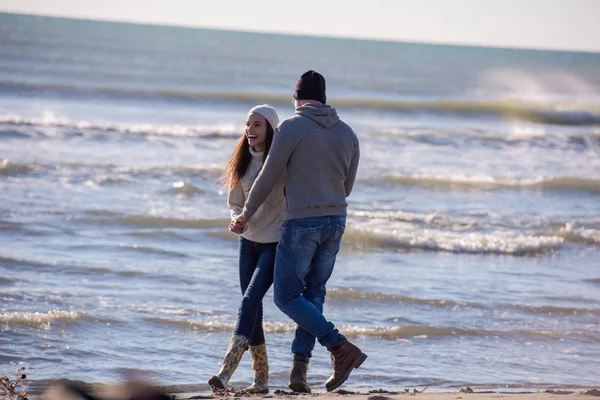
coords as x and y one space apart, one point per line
265 224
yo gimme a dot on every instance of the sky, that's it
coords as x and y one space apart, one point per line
543 24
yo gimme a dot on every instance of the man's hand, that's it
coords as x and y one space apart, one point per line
238 224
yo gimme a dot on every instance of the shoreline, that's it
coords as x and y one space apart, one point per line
143 390
382 394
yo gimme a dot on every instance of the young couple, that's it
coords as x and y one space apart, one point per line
298 177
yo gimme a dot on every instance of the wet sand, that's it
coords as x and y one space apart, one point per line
464 394
140 390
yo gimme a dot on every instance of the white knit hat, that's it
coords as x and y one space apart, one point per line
270 114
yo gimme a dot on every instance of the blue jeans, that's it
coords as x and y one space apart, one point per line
305 259
256 276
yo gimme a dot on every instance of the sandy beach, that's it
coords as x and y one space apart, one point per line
143 391
487 395
409 393
464 393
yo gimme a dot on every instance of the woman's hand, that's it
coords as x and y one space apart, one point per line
236 227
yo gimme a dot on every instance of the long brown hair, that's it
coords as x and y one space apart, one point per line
240 159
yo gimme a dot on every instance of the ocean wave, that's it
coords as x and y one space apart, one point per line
111 180
129 248
545 309
16 134
489 182
184 189
454 242
9 226
370 231
113 174
395 332
141 221
38 318
435 219
106 217
536 137
6 281
542 112
269 327
343 294
71 269
8 168
585 232
9 261
580 234
48 119
152 250
158 234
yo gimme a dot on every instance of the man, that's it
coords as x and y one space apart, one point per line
319 155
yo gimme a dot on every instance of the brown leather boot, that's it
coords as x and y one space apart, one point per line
298 377
344 359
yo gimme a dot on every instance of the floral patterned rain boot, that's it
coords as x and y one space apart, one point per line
236 349
260 365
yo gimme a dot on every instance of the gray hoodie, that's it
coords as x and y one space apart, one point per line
319 155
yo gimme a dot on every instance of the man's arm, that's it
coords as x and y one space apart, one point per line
352 170
235 200
281 149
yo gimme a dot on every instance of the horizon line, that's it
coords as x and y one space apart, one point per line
295 34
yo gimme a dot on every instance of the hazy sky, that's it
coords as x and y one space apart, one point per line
548 24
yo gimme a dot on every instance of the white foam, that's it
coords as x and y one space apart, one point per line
579 234
496 242
49 119
38 318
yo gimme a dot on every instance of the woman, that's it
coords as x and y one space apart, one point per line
258 242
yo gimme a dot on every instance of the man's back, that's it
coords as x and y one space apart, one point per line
322 167
319 154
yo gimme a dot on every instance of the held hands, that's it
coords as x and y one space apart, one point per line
238 224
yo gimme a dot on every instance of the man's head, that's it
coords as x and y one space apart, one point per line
310 86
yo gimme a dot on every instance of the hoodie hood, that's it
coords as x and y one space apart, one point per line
322 114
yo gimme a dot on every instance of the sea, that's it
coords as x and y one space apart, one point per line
472 250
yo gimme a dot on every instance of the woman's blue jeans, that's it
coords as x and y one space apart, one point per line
256 263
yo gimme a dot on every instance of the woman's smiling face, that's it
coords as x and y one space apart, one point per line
256 131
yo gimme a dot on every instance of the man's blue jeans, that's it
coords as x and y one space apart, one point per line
256 276
305 259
